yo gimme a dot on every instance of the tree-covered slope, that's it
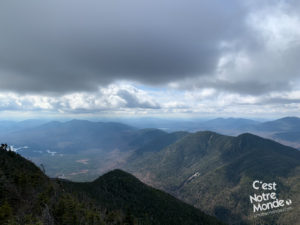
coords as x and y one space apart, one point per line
28 196
215 173
118 189
280 125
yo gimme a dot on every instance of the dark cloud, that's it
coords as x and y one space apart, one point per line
72 45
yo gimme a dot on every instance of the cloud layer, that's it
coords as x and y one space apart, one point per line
113 97
61 46
169 56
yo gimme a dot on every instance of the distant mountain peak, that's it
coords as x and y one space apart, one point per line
290 117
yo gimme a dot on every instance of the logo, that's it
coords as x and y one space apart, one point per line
267 199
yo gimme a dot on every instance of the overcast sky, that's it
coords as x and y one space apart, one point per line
150 58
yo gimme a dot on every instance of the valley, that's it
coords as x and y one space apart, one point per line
206 169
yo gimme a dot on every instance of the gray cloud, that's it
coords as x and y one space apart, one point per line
279 101
65 46
262 60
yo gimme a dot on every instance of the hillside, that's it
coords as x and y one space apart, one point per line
70 137
80 150
13 126
280 125
118 189
27 196
215 172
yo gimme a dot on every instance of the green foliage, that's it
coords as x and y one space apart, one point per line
29 197
120 190
214 172
70 211
5 212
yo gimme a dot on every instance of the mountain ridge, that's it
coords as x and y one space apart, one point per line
220 169
29 197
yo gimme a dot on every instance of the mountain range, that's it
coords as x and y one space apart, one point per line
211 171
215 173
29 197
284 130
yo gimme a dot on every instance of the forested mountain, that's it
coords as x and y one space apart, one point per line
71 136
7 126
28 196
281 125
215 173
79 149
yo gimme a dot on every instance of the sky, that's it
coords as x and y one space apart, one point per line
164 58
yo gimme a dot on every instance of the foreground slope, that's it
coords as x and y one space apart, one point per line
27 196
118 189
215 173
